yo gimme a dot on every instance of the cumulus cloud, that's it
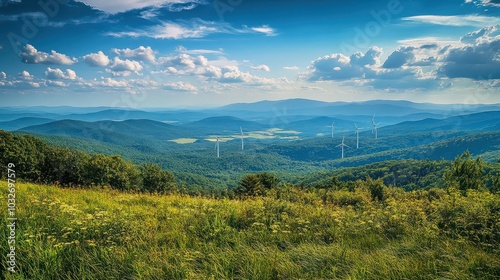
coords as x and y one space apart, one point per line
399 57
109 82
338 66
96 59
181 86
486 33
141 53
31 55
495 3
25 75
55 74
120 65
261 67
421 66
205 69
291 68
3 75
57 83
34 84
476 62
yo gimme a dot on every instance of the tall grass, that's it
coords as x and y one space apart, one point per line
290 234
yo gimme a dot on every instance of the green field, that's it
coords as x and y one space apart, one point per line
184 140
290 233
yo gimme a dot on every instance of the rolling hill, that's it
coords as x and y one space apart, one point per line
223 124
23 122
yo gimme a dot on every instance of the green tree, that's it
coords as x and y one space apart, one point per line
121 174
376 188
268 180
465 173
154 179
257 184
250 185
63 166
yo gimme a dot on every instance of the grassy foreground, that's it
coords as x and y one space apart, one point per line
290 234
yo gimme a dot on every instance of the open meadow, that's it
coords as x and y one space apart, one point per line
367 231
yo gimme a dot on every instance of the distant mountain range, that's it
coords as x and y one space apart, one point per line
485 121
268 112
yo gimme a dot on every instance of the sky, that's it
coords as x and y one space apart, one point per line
204 53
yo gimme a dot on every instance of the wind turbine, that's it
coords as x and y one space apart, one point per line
357 135
242 143
375 127
333 127
217 147
342 145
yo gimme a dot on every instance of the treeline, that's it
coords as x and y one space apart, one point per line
463 174
407 174
36 161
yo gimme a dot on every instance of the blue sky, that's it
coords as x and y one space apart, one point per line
200 53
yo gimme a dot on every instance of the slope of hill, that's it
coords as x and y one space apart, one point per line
485 121
104 234
137 128
223 124
23 122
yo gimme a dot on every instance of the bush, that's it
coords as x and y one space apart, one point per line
154 179
465 173
256 184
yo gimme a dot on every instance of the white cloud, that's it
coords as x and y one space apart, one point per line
425 65
109 82
182 49
341 67
119 65
113 7
181 86
291 68
223 71
96 59
495 3
421 41
3 75
34 84
486 34
25 75
265 29
261 67
141 53
31 55
462 20
196 28
478 61
57 83
54 74
171 30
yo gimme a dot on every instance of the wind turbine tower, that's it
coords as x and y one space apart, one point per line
375 127
357 135
333 128
241 135
342 145
217 147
